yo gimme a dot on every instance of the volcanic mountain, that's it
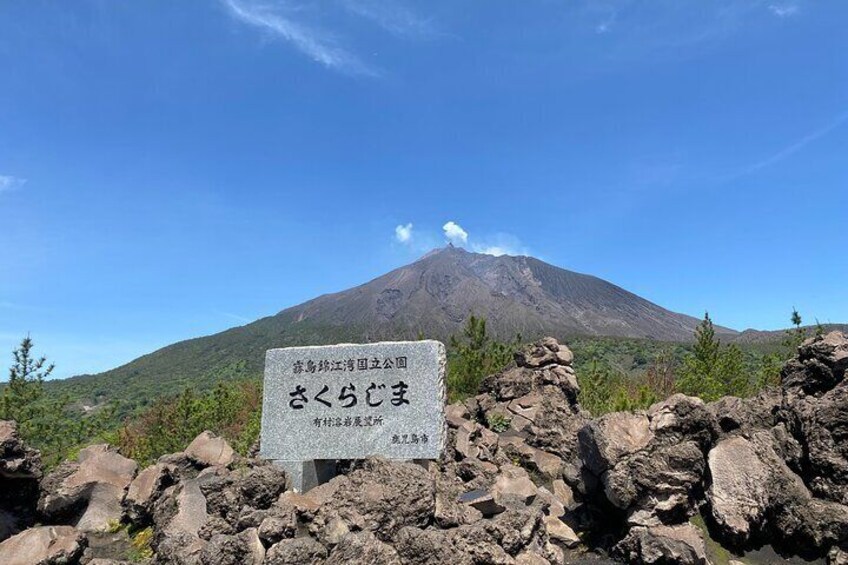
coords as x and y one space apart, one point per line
435 295
432 297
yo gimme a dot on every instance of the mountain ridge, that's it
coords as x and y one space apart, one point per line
432 296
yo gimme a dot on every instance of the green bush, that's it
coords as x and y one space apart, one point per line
231 409
712 371
498 423
473 356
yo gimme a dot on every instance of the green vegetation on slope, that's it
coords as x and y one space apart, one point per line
231 409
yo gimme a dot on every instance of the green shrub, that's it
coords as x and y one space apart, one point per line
232 410
474 356
712 371
498 423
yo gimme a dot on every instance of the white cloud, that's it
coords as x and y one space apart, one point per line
455 233
317 46
403 233
783 10
9 183
392 16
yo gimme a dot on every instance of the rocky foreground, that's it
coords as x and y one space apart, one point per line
528 478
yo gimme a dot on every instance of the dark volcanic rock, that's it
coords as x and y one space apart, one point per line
20 473
297 551
363 547
662 545
378 496
650 465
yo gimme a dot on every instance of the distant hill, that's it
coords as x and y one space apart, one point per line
432 297
751 336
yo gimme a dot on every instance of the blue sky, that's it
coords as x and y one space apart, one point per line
171 169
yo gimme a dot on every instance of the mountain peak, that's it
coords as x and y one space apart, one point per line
436 294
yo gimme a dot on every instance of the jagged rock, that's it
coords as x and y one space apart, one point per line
551 504
449 511
666 545
649 464
560 533
745 415
456 415
544 352
179 515
659 480
43 545
89 493
305 503
478 544
545 362
607 440
17 461
278 524
482 501
514 486
682 418
240 496
753 487
296 551
738 495
823 428
496 540
837 556
244 548
208 450
145 489
378 496
363 547
815 394
20 473
820 365
428 547
564 494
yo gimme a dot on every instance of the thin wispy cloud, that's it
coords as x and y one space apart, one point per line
607 21
783 10
235 317
9 183
672 28
315 44
392 16
794 147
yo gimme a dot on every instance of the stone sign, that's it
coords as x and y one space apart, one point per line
353 401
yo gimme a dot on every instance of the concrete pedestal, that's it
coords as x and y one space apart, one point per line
306 475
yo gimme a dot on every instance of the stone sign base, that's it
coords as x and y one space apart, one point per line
306 475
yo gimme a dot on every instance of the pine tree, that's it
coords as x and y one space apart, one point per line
696 374
26 384
475 355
